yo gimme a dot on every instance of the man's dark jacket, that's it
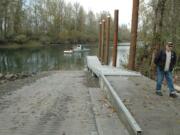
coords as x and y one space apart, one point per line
160 60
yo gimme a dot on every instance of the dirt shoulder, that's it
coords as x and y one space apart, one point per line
9 86
155 115
49 103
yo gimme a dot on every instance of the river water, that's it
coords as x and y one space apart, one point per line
46 58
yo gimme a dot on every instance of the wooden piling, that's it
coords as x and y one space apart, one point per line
103 45
100 41
134 26
106 62
116 12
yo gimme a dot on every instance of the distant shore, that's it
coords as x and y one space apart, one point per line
29 44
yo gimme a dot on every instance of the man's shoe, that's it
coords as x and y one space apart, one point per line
173 95
159 93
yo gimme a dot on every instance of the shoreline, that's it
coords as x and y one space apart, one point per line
33 44
29 44
12 85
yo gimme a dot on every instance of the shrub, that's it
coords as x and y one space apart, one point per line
20 39
2 40
45 40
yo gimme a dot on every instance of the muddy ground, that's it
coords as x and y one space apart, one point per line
156 115
49 103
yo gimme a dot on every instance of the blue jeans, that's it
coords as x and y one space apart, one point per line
160 77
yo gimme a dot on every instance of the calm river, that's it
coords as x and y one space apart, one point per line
32 60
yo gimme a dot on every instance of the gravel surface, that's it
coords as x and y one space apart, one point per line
9 86
51 103
155 115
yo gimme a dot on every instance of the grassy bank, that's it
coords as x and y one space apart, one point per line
29 44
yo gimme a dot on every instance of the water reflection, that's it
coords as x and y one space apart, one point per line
122 57
51 58
41 59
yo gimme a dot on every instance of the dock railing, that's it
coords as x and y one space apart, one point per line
94 66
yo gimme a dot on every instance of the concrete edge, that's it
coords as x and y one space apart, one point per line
99 129
123 113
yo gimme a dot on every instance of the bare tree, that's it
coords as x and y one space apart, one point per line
157 41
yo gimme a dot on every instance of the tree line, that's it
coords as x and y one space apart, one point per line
50 21
159 23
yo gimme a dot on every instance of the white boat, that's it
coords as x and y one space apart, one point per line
68 51
80 48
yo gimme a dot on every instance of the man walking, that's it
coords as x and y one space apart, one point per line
165 61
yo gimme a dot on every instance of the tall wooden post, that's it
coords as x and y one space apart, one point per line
100 41
103 46
116 12
134 26
107 41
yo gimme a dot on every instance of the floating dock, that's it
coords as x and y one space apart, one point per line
101 71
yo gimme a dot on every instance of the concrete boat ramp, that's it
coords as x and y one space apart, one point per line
61 103
118 102
137 105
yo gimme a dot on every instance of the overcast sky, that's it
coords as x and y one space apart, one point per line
124 7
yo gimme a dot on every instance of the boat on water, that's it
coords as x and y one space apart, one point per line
68 51
78 48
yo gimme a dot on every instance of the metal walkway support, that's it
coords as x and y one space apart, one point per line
125 116
95 66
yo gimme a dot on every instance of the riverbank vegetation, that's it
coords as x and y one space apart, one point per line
49 21
158 24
